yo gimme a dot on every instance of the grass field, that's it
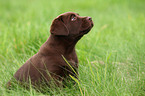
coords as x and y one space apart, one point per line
111 56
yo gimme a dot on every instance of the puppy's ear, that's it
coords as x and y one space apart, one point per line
58 27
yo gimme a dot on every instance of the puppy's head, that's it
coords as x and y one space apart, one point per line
70 24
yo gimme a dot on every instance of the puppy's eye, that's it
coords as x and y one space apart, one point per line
73 18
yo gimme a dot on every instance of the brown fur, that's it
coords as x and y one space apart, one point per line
65 30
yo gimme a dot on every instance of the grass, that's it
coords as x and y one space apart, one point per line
111 56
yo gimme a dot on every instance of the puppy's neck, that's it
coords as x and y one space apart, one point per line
62 44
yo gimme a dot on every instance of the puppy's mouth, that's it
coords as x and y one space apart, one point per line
86 30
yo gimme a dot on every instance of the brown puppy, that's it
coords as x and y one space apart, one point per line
49 63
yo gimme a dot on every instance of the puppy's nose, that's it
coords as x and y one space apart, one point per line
89 18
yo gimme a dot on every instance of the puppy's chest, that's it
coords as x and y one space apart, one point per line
70 66
71 61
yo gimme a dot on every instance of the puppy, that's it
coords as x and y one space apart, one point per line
57 57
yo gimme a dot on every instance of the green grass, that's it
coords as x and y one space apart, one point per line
111 56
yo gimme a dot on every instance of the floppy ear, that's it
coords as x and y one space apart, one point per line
58 27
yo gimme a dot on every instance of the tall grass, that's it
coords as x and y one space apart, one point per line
111 56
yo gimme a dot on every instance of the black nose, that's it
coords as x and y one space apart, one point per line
89 18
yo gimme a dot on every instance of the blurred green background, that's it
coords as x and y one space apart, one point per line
111 56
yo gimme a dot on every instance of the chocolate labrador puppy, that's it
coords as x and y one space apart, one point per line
56 58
